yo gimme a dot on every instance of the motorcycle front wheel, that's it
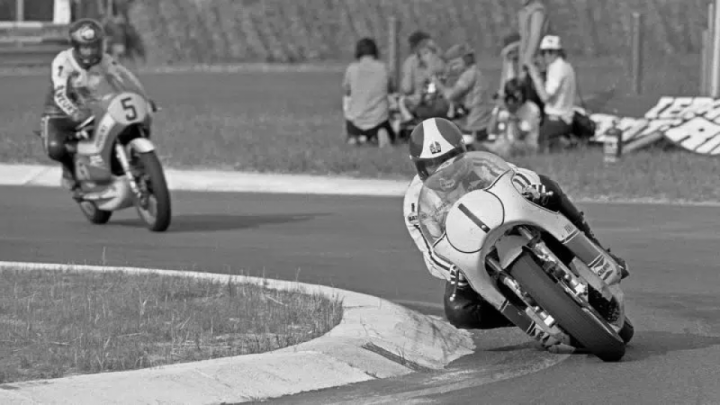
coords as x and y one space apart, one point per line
594 334
154 208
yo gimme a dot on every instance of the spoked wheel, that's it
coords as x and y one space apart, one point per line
93 213
585 326
154 205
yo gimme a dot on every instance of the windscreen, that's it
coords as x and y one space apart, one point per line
104 81
455 178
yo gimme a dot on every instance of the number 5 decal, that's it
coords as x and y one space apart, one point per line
130 111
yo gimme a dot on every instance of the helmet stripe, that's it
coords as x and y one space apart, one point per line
434 144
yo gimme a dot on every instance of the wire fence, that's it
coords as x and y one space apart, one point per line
312 30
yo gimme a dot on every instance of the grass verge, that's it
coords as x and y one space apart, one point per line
56 324
291 122
652 174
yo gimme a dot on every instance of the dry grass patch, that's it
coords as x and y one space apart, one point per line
55 324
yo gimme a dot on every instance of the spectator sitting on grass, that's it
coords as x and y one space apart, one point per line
423 63
366 88
516 123
470 90
557 92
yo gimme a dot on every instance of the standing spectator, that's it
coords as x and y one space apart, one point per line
471 90
533 24
367 86
417 71
510 55
557 92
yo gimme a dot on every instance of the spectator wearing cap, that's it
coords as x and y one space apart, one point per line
366 87
471 90
423 62
557 91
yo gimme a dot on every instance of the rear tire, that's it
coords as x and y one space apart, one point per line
93 213
599 339
159 220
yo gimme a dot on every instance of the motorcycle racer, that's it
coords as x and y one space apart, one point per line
433 144
75 72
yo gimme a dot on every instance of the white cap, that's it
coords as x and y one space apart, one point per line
551 43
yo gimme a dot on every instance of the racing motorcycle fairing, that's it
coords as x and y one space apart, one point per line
121 112
475 216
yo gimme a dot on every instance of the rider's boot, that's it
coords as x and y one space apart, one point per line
69 180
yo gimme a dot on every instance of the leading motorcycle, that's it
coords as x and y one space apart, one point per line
532 264
115 161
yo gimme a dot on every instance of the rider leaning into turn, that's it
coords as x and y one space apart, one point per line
73 74
464 308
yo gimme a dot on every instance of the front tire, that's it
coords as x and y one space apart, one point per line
156 212
93 213
627 332
594 334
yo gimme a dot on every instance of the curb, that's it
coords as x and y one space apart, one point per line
246 182
375 339
225 181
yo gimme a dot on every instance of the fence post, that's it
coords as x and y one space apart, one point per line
715 55
708 53
637 53
393 48
704 62
19 10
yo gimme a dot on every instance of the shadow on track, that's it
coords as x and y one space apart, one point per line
654 343
217 223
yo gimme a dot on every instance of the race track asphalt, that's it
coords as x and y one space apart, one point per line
359 243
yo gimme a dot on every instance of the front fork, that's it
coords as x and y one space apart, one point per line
569 280
127 169
576 279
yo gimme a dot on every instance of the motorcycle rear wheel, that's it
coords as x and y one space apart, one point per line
594 334
93 213
158 212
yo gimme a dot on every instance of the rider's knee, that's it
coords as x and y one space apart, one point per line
56 149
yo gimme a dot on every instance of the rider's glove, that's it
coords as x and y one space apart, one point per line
537 193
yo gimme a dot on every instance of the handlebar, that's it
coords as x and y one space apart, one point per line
85 123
